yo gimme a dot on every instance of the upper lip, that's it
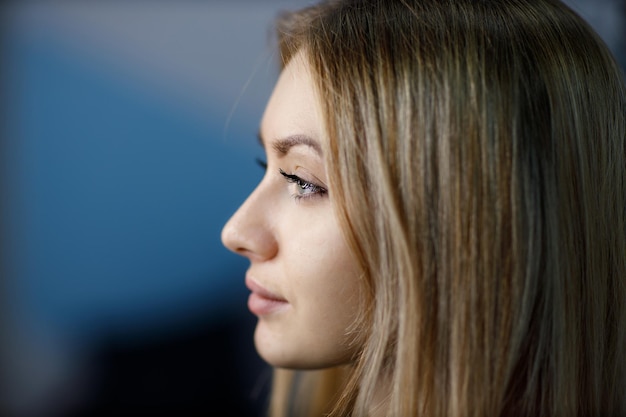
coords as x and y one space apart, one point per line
257 288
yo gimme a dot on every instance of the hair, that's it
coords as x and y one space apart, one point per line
477 165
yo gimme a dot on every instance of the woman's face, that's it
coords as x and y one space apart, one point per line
304 281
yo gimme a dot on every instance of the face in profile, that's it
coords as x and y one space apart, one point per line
303 279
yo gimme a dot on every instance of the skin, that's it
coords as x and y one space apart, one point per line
290 233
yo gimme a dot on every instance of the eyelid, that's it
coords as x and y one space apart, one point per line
261 163
316 190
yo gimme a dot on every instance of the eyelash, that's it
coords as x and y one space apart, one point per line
315 190
261 163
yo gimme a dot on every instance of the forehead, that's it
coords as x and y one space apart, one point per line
294 106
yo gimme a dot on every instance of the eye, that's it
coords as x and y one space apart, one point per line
261 163
304 188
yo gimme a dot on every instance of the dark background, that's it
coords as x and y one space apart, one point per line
129 137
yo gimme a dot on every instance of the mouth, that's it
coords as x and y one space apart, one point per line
262 301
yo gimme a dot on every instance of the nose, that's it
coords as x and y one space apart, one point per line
249 231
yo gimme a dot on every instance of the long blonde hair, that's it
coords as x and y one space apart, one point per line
477 164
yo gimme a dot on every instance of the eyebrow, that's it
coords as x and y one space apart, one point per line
284 145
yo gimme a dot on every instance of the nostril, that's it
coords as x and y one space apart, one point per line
244 252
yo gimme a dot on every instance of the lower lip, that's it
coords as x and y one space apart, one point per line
262 306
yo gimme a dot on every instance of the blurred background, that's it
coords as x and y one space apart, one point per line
129 138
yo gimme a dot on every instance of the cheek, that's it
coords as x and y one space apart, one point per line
320 260
327 284
320 278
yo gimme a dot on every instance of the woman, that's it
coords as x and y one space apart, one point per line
441 227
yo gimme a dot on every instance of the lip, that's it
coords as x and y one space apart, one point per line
262 301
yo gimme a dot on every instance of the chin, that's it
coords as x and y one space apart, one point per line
292 356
